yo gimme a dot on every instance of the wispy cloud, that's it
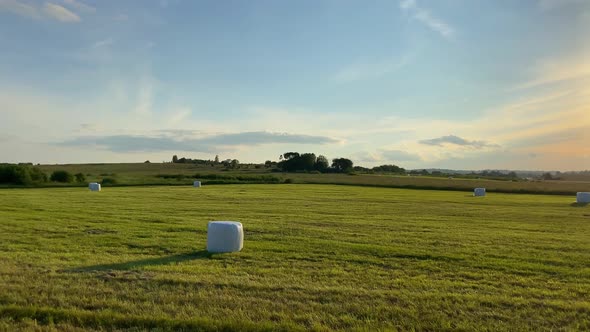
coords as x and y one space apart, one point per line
145 96
80 6
128 143
103 43
549 71
425 17
399 155
60 13
48 11
20 8
138 143
386 156
264 137
362 71
456 140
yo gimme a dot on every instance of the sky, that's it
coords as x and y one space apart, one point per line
462 84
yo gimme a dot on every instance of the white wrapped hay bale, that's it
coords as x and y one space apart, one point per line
479 192
225 236
583 197
197 184
94 186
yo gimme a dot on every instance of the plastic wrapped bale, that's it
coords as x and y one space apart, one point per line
225 236
94 186
583 197
197 184
479 192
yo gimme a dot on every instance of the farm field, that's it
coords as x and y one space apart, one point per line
320 257
183 174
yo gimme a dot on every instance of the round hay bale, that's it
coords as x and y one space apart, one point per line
583 197
225 236
479 192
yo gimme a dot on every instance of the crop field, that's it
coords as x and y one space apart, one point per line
319 257
135 174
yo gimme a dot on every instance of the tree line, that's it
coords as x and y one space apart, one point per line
298 162
24 174
307 162
229 163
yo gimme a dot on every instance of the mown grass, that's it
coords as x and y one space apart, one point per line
315 257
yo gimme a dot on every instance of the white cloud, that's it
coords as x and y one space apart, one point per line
434 23
80 6
207 143
456 140
60 13
425 17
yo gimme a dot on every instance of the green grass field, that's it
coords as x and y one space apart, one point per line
136 174
317 257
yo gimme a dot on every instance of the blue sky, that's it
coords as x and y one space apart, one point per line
453 84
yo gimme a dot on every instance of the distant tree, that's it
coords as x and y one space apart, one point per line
174 158
146 162
322 163
512 175
61 176
268 164
235 163
217 159
389 169
547 176
80 177
37 175
108 181
342 165
14 174
362 169
290 155
307 161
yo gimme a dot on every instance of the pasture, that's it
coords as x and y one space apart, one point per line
137 174
319 257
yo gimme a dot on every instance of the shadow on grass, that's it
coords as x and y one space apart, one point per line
576 204
202 254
